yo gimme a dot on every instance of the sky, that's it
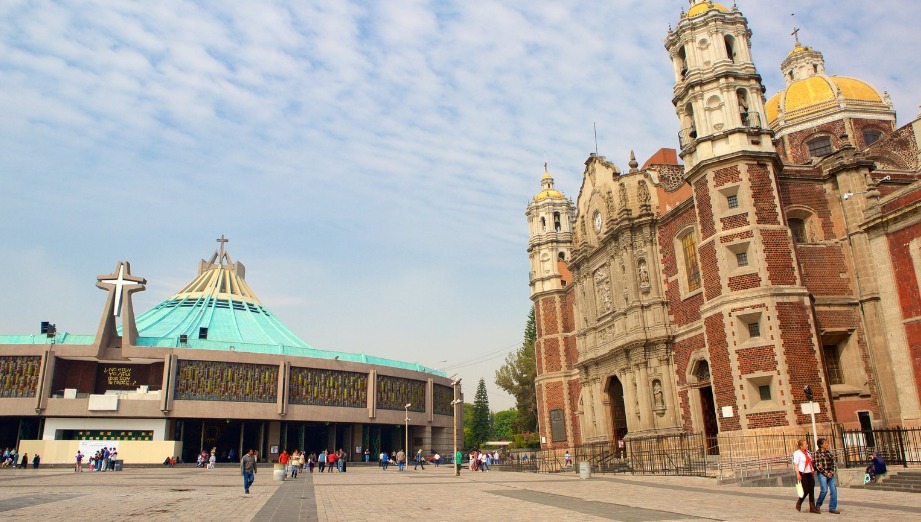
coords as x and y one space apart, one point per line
370 162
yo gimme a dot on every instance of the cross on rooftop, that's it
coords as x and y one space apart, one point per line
220 257
795 34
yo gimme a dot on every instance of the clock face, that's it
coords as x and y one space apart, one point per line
598 221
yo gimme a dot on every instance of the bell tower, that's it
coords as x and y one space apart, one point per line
756 315
550 220
718 95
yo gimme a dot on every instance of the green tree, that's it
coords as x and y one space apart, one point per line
479 429
517 376
468 426
502 424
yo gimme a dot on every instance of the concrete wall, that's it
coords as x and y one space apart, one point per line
131 451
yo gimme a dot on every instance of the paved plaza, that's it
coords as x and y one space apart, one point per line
368 493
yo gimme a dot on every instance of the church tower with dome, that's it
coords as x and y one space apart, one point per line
783 251
551 218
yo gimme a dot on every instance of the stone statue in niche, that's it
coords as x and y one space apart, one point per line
643 273
658 400
636 399
609 200
622 193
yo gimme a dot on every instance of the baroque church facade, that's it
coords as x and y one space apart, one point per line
783 251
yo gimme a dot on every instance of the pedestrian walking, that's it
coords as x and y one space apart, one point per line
78 465
805 469
826 471
458 462
248 470
420 460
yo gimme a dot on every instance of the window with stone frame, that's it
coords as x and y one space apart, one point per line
691 265
833 364
820 146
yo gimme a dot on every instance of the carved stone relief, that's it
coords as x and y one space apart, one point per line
603 291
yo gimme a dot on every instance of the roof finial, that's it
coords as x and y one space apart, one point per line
633 164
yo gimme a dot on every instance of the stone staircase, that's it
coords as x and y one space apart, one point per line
908 481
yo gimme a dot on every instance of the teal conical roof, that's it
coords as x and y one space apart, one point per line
219 300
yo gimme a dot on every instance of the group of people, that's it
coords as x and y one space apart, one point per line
325 461
820 465
206 459
11 459
481 460
399 458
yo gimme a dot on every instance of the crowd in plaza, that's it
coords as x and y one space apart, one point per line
11 459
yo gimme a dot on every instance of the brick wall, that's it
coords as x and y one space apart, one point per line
575 389
684 402
736 221
710 271
551 349
798 151
778 254
726 175
801 356
824 271
810 194
838 319
767 419
744 282
704 209
756 359
720 371
683 311
909 296
762 191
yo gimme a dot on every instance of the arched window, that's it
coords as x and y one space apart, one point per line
730 47
820 146
682 62
742 96
691 266
543 224
871 136
798 228
556 222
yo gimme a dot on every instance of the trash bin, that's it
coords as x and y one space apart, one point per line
278 473
585 470
118 465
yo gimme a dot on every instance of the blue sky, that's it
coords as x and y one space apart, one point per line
370 161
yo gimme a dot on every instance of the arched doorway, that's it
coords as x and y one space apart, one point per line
615 393
711 427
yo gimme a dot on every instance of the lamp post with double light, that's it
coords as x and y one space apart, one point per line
406 431
457 464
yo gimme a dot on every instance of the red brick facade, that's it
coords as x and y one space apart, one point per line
800 353
721 371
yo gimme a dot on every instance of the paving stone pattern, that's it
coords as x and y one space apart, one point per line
370 494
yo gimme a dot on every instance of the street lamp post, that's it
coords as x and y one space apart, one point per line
454 404
406 431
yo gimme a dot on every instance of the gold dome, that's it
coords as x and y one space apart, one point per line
817 96
703 7
551 194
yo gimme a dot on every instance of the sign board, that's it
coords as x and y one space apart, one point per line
727 412
810 407
90 447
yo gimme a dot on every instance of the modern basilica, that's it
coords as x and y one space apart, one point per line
783 250
210 366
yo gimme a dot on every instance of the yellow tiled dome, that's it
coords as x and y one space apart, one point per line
703 7
817 96
544 194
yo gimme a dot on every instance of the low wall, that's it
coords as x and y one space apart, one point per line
131 451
